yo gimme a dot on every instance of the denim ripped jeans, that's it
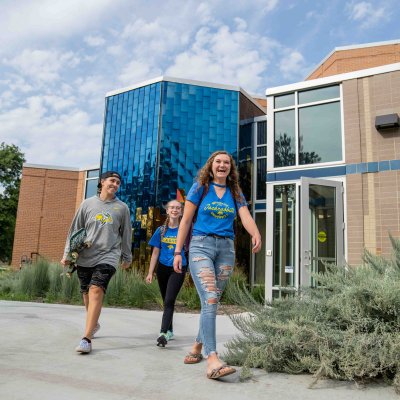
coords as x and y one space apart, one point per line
211 262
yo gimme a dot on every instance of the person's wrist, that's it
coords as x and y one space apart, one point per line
177 253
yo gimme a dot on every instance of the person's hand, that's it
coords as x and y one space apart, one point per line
149 278
64 262
125 265
256 242
178 264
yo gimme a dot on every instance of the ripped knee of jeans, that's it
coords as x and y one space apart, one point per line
212 300
224 272
199 258
207 279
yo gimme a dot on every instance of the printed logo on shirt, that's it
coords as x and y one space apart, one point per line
169 240
219 210
104 218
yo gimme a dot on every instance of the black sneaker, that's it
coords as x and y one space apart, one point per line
162 340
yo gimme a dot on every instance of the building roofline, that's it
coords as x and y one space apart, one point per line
353 47
61 168
165 78
362 73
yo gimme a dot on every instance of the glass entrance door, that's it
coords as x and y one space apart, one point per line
321 228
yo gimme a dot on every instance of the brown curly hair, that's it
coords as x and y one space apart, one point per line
205 175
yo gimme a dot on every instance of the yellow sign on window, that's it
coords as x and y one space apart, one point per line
322 236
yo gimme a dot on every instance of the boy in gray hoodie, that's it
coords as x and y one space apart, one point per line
106 220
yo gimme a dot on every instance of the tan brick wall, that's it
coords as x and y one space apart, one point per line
343 61
373 208
47 203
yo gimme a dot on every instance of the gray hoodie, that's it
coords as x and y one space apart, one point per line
108 228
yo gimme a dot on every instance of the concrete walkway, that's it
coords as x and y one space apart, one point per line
38 361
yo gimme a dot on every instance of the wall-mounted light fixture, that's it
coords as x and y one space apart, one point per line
387 121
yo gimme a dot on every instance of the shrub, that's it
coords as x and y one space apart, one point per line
188 294
35 280
347 329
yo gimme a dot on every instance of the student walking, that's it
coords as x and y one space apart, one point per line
106 220
216 198
169 281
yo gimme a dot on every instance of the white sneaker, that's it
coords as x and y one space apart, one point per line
95 330
84 347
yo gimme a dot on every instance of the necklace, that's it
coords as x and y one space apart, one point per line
218 185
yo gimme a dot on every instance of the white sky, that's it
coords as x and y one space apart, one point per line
58 58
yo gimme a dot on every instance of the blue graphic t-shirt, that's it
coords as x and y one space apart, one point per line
215 215
167 245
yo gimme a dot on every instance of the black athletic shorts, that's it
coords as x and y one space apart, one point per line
100 276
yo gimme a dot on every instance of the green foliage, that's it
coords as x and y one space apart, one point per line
128 288
347 329
11 161
188 294
35 280
238 279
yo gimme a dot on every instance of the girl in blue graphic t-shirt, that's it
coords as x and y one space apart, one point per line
217 199
170 282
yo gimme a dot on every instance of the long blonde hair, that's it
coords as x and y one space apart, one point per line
205 175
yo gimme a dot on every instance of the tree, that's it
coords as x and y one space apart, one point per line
11 161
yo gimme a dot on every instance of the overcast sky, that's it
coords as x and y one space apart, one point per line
58 58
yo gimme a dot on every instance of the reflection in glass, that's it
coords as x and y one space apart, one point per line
94 173
261 178
259 263
320 133
284 235
262 132
325 93
322 203
245 159
285 142
285 100
91 188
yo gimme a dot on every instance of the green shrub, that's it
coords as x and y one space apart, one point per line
238 279
188 294
128 288
347 329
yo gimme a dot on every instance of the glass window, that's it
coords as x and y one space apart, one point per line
320 133
259 264
285 142
284 235
94 173
91 188
261 151
261 178
262 132
325 93
285 100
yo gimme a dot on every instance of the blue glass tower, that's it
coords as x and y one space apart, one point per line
158 134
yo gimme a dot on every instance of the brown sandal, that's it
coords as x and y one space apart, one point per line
193 358
219 372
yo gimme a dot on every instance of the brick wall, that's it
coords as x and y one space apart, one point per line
343 61
373 207
47 203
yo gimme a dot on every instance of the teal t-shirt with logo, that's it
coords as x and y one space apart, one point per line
215 215
167 245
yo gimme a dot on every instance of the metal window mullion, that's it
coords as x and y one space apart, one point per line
296 127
